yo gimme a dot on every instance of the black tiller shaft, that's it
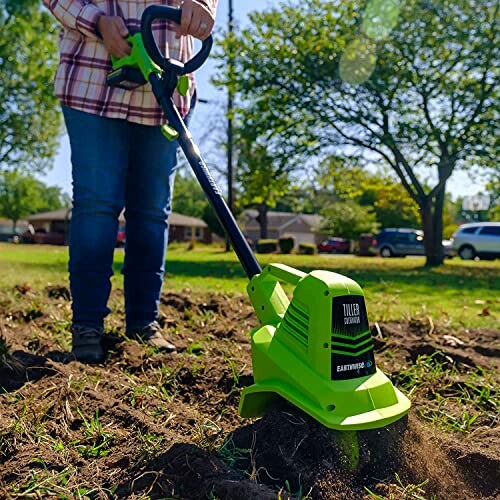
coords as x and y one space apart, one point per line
207 182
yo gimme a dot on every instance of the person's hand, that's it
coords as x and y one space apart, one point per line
113 32
197 20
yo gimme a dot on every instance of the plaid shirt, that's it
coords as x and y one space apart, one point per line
80 81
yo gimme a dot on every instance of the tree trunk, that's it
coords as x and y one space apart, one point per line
14 226
432 223
262 220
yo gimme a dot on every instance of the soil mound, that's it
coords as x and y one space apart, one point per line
288 448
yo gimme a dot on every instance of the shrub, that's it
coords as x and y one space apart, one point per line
449 230
286 244
267 246
307 248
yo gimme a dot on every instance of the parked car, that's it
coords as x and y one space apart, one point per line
334 245
399 242
7 235
121 237
478 239
396 242
449 251
41 236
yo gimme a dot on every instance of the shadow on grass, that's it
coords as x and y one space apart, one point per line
453 277
204 269
372 274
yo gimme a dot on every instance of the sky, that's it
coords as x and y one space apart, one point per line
460 184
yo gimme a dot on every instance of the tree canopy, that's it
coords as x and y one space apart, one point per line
493 190
261 179
348 219
29 113
349 181
189 199
22 194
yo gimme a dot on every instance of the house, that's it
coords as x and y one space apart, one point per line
187 228
305 228
56 221
181 227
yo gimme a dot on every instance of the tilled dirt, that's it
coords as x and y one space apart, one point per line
152 425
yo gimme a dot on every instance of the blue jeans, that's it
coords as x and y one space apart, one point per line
118 164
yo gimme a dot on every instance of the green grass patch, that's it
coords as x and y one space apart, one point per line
456 397
459 293
400 491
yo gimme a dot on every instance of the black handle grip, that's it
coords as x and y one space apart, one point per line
154 12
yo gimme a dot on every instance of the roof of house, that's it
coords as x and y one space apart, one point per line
62 214
174 219
280 220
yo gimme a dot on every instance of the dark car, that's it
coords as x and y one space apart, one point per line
402 242
9 236
399 242
43 237
334 245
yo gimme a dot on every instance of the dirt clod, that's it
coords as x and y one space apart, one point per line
58 292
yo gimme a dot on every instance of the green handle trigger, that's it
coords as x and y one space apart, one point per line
138 58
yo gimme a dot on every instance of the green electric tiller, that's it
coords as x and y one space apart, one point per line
314 350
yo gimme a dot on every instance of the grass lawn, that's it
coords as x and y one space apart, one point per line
460 293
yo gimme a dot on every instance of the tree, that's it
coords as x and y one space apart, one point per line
51 198
348 220
262 179
189 199
22 194
320 76
347 179
392 204
18 196
299 199
493 190
29 112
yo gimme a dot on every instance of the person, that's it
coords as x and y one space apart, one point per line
120 159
